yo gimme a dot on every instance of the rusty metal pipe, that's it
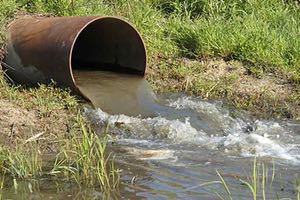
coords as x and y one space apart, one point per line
43 49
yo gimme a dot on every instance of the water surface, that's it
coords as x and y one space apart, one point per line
170 145
173 143
173 154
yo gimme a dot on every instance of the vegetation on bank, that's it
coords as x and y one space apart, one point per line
245 51
264 34
43 135
259 38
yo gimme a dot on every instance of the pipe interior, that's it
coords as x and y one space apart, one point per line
109 44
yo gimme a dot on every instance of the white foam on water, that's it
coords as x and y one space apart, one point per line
212 111
256 145
265 138
152 128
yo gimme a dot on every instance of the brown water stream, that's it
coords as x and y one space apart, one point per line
169 146
117 93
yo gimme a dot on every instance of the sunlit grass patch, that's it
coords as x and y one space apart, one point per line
49 97
22 162
253 38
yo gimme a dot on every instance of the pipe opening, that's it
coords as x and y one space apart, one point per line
109 44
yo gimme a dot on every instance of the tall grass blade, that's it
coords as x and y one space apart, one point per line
224 185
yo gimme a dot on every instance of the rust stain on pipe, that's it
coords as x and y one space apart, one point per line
44 49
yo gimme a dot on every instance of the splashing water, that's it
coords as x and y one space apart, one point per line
183 136
136 114
215 128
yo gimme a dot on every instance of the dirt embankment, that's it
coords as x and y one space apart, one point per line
19 125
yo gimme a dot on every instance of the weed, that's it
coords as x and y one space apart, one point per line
254 181
84 158
259 182
81 157
22 162
225 186
297 188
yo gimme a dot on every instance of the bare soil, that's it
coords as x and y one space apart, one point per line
19 125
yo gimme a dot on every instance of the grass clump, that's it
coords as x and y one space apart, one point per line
84 158
21 163
259 183
44 136
81 157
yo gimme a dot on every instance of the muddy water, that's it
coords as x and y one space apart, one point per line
117 93
170 154
173 153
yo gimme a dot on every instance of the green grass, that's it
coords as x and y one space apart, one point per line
21 162
59 145
262 35
259 182
84 158
81 157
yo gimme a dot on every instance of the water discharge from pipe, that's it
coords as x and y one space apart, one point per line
118 93
129 94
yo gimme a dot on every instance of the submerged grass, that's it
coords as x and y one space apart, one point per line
297 187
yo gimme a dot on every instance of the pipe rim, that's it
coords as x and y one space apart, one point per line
89 23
